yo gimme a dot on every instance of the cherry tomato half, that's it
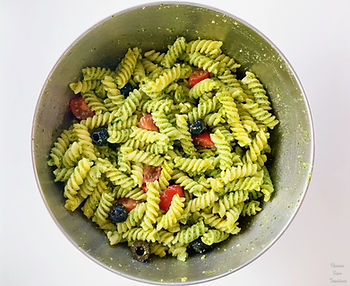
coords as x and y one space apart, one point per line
146 122
79 108
204 140
197 76
150 174
129 204
167 196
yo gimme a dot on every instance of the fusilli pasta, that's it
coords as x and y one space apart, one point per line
155 128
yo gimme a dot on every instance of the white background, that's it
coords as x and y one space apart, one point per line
313 35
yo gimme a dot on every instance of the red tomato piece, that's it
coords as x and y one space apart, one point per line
197 76
129 204
150 174
144 187
146 122
204 140
167 196
79 108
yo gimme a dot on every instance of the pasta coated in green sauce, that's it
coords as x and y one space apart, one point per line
222 180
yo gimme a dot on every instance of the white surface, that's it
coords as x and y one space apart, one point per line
313 35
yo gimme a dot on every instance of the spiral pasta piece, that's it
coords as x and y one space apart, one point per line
229 79
193 165
181 95
223 149
179 251
158 148
227 62
159 249
133 144
139 74
90 183
247 121
204 63
233 119
165 78
114 237
135 194
126 67
255 195
207 47
118 136
120 131
100 92
84 86
86 189
85 141
110 106
226 132
257 146
96 73
246 183
148 136
62 175
229 200
144 157
186 140
72 155
188 184
129 105
118 178
213 119
251 208
262 158
257 89
166 174
127 124
140 234
152 205
201 202
123 165
203 108
233 213
77 178
93 200
214 236
174 52
165 237
220 223
233 173
148 65
102 212
134 218
190 234
113 93
165 127
203 87
260 114
94 102
267 187
60 147
154 75
154 105
137 174
154 56
173 214
99 120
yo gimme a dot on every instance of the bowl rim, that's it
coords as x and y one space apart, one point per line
293 74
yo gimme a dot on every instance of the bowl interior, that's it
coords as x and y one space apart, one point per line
154 27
